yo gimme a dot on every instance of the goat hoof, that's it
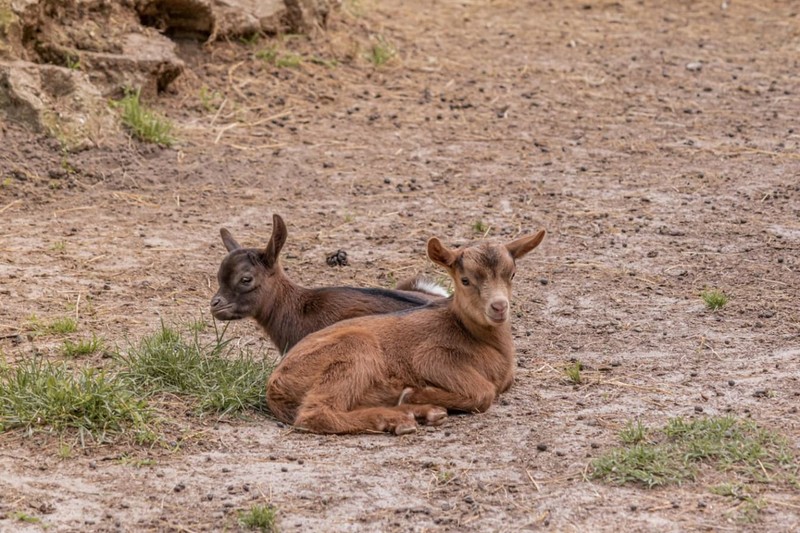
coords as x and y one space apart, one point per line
436 416
405 429
405 394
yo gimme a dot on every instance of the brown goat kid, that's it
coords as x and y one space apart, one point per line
252 283
387 372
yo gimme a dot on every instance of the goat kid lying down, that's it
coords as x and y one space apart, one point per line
385 373
252 283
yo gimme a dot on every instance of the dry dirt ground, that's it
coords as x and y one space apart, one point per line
654 181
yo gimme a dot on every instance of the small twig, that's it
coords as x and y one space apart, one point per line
9 205
538 489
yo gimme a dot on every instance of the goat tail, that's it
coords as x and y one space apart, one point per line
423 284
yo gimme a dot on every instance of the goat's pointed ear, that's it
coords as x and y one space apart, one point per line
523 245
440 254
276 242
228 240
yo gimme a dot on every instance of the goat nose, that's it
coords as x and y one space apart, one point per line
215 301
500 306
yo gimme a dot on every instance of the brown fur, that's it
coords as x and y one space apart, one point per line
386 372
252 283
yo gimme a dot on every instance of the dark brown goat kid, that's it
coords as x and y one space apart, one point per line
388 372
252 283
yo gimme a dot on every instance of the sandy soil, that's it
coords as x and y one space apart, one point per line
657 142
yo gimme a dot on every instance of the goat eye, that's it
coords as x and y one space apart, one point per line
465 282
246 279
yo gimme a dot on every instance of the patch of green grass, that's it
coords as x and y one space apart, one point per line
219 377
73 62
268 54
381 52
82 347
65 450
59 246
25 517
251 39
444 476
714 299
143 123
273 56
573 372
633 433
42 394
480 227
260 517
289 61
197 326
58 326
673 454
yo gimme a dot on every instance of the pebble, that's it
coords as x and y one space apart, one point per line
542 447
698 409
179 487
731 383
694 66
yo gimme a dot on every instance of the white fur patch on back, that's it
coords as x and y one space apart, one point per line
430 287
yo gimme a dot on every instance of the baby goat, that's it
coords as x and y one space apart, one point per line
386 372
252 283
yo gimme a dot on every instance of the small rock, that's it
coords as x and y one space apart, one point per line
179 487
284 469
731 383
761 393
698 409
652 253
544 281
701 504
694 66
769 313
469 499
542 447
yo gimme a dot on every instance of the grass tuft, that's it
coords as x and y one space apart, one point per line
289 61
633 433
43 394
220 378
381 52
676 451
82 347
59 326
260 517
714 299
144 124
573 372
480 227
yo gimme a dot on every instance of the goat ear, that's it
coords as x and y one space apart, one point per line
523 245
228 240
440 254
276 242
